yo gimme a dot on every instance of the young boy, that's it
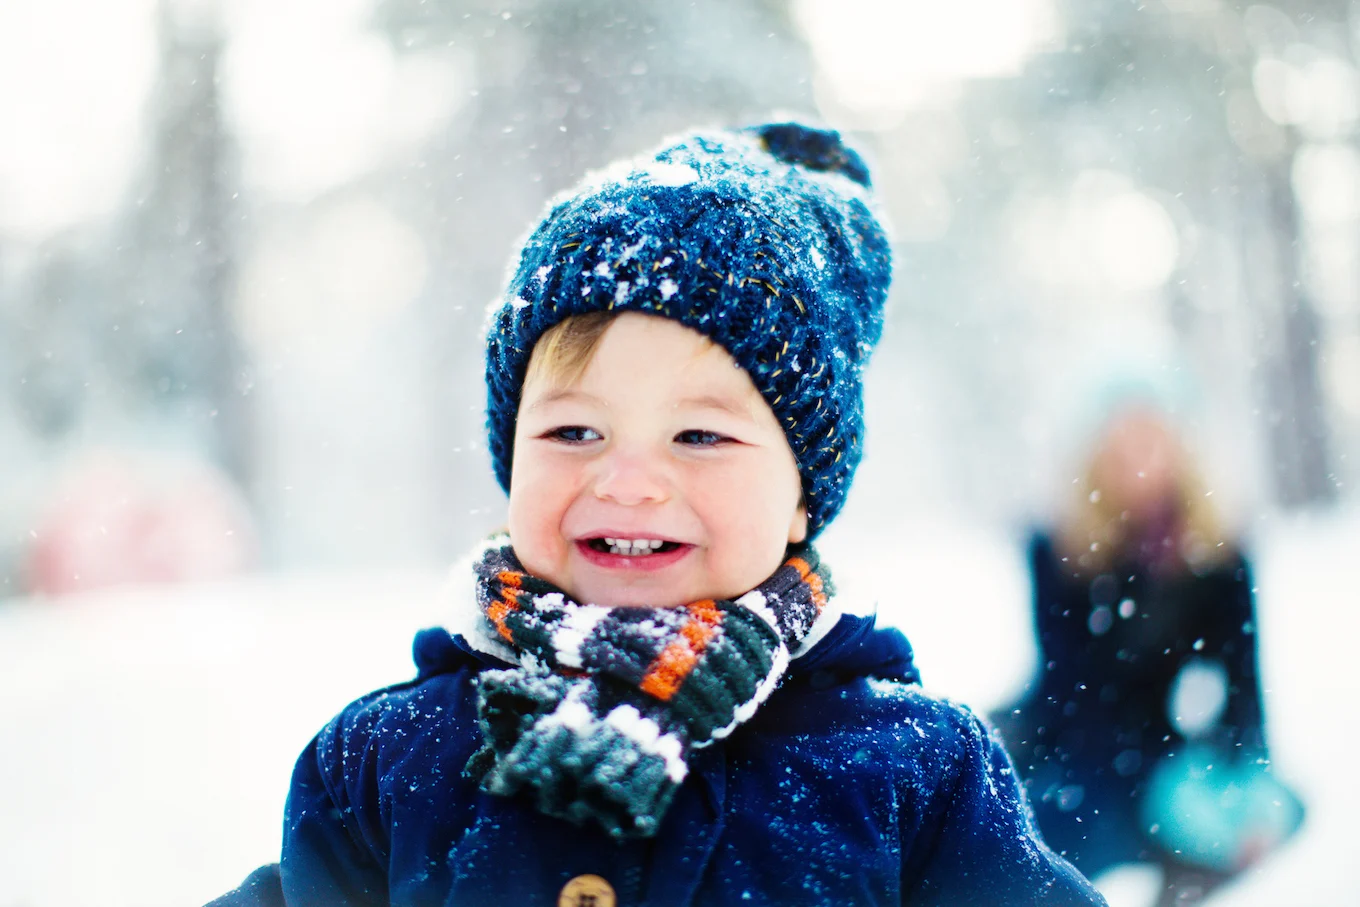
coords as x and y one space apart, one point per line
657 701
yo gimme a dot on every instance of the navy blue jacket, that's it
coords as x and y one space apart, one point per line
1096 719
849 786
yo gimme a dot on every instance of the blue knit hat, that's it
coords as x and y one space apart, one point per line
762 239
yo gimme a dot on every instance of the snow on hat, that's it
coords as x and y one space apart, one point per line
763 239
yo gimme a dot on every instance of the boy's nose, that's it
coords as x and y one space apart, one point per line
630 480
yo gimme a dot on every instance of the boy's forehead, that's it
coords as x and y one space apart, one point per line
660 344
658 355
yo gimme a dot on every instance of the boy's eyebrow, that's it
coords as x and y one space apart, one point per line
565 393
715 401
724 403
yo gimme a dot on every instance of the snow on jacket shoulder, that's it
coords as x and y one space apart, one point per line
850 786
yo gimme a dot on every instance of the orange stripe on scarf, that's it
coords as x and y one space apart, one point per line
509 601
814 582
680 655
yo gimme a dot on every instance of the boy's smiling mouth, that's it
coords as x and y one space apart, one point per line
631 547
619 552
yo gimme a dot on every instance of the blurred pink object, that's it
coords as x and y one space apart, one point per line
122 518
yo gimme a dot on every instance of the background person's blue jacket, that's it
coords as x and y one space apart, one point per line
850 786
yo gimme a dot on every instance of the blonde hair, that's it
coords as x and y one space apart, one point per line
1097 527
563 353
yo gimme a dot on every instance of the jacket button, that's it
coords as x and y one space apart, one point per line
586 891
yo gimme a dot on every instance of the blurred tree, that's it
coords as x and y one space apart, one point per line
1296 405
179 350
57 320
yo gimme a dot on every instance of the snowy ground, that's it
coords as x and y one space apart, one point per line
149 733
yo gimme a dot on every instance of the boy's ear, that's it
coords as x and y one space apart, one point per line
798 526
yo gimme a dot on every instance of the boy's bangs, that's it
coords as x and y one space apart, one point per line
563 353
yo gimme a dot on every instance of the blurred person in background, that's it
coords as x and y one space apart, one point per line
1141 739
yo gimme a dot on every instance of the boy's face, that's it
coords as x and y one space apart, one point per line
663 439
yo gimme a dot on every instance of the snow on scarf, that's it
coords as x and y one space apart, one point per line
597 723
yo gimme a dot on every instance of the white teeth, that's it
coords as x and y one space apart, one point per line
632 547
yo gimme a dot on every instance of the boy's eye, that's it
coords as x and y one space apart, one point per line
697 437
573 434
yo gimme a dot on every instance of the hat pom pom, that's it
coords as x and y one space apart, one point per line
816 149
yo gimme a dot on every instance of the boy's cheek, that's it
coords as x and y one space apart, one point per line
533 516
745 500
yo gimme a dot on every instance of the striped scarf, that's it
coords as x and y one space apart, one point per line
598 721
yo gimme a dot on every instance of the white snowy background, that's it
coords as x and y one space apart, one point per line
245 250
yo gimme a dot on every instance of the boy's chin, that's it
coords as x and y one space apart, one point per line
638 595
